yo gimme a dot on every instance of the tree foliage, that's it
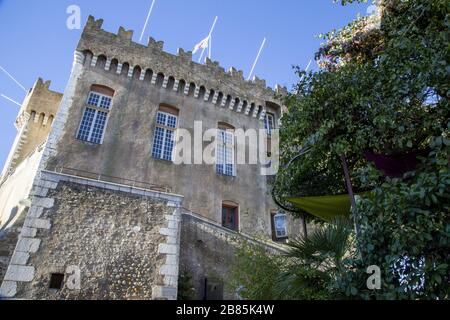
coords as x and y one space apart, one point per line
383 86
307 271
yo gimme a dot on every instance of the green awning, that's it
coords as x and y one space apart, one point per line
326 207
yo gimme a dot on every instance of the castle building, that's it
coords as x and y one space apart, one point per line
93 205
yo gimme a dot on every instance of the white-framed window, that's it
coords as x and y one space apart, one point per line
164 140
269 123
95 116
225 162
280 226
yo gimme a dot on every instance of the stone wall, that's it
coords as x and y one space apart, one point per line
41 105
124 245
180 67
17 188
126 150
143 78
33 123
208 252
8 241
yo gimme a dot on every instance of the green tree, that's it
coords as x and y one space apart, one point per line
254 273
308 271
383 87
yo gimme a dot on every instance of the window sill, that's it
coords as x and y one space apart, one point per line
162 160
232 230
281 240
88 142
225 176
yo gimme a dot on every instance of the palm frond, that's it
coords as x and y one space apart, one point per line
326 246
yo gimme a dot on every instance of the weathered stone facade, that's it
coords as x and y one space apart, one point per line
208 254
8 241
124 242
33 124
112 237
203 93
120 220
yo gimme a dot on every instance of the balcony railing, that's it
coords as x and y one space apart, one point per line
111 179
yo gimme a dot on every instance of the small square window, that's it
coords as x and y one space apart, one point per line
56 281
269 123
279 226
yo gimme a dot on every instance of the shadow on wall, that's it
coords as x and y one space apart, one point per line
12 215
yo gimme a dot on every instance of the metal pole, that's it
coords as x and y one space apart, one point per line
146 21
351 194
305 226
348 182
256 60
209 39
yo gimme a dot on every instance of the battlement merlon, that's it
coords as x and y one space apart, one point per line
181 67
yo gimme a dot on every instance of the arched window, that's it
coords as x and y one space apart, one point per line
41 118
101 62
181 86
219 98
125 69
170 83
252 108
33 116
225 151
201 93
211 95
228 101
113 66
93 123
88 55
192 87
160 80
244 105
237 101
260 109
148 75
137 72
164 137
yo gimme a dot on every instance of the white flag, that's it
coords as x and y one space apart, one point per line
202 45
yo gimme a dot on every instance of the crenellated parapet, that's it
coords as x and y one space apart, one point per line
117 53
40 105
33 123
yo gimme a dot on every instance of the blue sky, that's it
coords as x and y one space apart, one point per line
35 41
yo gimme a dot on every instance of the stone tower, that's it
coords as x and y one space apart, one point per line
110 214
33 123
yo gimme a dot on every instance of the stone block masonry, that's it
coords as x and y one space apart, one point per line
8 242
125 244
208 252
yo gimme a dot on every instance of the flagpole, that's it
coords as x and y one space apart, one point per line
146 20
306 70
257 58
13 79
9 99
209 38
309 65
209 46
